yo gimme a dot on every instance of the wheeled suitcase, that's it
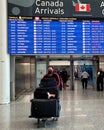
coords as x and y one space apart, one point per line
44 108
41 93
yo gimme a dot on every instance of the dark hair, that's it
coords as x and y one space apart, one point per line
51 66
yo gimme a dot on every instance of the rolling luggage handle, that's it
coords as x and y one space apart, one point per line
50 95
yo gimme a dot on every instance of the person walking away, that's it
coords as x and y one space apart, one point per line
84 77
100 76
64 78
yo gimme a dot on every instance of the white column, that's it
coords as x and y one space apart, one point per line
4 56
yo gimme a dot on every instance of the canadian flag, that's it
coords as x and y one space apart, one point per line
82 7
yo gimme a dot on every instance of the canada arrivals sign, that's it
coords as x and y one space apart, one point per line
49 7
57 8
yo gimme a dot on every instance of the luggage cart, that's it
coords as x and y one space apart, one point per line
44 105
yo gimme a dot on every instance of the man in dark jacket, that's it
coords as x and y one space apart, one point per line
52 74
100 76
64 77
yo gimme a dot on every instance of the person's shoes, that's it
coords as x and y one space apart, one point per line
54 118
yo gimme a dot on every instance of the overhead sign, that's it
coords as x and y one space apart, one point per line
55 27
44 36
57 8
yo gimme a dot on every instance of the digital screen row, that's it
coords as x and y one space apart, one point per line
36 36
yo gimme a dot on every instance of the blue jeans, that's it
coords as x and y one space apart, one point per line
59 107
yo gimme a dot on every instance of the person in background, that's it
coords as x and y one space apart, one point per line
84 77
100 76
76 74
64 78
61 83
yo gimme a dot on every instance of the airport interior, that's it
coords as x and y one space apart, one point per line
80 109
21 69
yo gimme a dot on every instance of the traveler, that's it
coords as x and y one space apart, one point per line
100 76
52 74
64 76
84 77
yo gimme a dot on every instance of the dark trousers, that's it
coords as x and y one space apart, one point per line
84 83
100 85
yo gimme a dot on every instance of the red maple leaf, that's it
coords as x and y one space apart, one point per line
82 7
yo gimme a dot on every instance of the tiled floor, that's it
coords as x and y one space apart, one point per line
80 110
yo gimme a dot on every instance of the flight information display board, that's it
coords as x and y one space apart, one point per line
35 35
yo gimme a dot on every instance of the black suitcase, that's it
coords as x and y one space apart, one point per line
44 108
48 82
41 93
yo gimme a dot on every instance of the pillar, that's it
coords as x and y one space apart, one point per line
4 56
95 69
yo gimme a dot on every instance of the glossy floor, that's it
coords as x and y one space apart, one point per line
80 110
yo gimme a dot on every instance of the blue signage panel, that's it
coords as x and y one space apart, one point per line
28 35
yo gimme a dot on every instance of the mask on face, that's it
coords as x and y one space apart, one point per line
49 72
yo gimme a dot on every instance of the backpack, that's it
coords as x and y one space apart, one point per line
48 82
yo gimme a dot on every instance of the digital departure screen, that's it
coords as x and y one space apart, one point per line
35 35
